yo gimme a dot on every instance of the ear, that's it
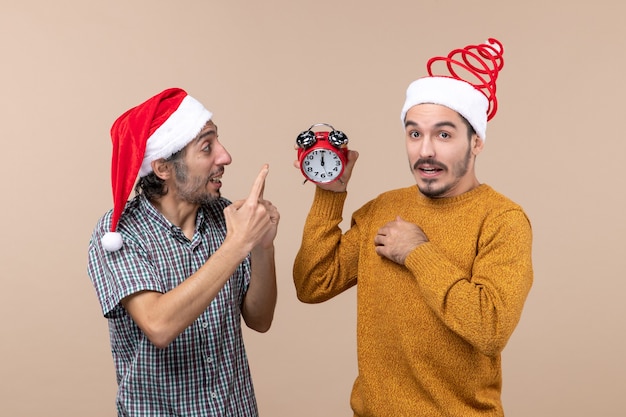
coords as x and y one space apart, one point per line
161 168
477 144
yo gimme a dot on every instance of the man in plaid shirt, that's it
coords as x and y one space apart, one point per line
177 266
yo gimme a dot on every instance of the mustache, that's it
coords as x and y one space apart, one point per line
429 161
218 173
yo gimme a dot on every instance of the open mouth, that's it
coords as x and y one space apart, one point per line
429 170
428 166
217 178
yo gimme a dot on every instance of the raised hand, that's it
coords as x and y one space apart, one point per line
274 215
341 184
252 221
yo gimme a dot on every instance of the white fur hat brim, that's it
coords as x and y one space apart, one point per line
455 94
175 133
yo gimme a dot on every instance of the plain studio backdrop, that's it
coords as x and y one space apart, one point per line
268 70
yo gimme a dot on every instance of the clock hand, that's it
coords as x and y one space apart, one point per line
322 162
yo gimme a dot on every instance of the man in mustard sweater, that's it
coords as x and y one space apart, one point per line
443 269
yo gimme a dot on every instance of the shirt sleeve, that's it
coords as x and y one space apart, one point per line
327 261
116 275
483 308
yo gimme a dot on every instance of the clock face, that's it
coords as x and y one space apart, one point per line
322 165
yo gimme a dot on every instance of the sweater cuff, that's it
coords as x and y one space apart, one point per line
328 203
437 272
416 260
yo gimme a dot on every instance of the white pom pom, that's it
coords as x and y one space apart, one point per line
111 241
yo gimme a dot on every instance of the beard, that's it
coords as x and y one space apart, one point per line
193 190
459 169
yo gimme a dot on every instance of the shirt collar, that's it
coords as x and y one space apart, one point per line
157 217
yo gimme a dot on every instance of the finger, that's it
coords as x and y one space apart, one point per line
236 205
274 215
352 157
256 193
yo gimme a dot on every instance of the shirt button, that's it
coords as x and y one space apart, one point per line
205 324
209 359
214 394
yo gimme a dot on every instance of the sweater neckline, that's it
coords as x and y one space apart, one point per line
445 201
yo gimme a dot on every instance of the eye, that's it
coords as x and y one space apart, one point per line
414 134
206 148
444 135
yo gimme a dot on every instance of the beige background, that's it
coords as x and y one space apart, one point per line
268 69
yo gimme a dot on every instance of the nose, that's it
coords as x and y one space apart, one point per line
427 149
223 157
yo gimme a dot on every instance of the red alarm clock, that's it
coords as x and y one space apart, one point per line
322 155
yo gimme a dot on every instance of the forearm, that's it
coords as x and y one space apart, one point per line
162 317
260 300
483 304
326 261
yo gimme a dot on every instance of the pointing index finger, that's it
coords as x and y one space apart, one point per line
256 193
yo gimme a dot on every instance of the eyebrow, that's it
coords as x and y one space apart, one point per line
206 133
437 125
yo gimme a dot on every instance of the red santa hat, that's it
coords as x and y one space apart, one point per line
467 86
155 129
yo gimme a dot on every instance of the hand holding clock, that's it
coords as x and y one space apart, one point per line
323 157
341 184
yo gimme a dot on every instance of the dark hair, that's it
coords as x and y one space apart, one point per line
152 186
470 129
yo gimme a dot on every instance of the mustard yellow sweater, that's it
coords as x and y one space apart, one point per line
430 333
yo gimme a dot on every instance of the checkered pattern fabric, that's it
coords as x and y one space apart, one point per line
204 371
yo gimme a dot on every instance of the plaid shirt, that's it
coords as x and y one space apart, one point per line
204 371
